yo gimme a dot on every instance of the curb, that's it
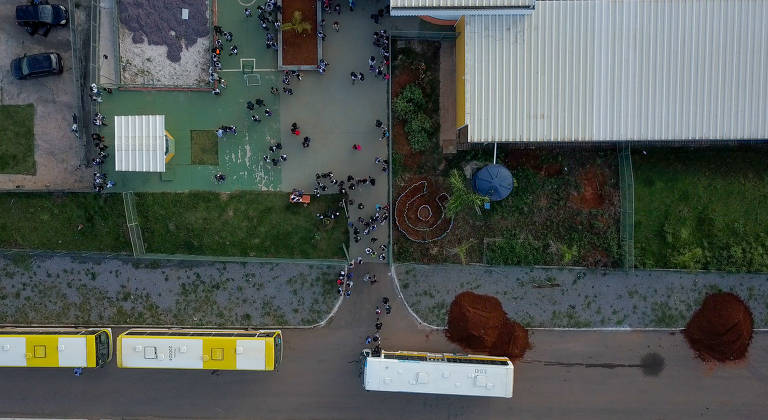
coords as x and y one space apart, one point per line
393 275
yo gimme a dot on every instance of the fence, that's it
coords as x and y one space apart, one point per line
131 218
627 188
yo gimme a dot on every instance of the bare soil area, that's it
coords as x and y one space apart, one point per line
159 48
300 48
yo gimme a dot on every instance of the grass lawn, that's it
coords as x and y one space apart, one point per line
17 149
205 147
247 224
52 222
702 208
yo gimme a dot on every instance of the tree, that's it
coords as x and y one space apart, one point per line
461 196
297 24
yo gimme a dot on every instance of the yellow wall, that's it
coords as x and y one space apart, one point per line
460 110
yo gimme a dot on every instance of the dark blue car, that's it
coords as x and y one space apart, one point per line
34 17
36 65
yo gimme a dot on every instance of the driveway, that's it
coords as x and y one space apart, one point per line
57 152
567 375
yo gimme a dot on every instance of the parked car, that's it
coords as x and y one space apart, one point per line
36 65
34 17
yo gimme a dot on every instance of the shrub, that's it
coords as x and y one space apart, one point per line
408 102
419 130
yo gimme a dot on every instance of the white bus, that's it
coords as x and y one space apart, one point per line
163 348
437 373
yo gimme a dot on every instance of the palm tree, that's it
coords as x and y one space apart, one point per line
461 196
297 24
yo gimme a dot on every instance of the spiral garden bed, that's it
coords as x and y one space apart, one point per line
420 212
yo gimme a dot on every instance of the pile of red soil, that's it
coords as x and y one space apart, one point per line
479 324
721 329
420 212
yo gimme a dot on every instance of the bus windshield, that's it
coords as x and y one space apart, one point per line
102 348
278 349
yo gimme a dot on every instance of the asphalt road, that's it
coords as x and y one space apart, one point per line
568 374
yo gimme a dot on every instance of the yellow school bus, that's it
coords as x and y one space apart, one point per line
55 347
162 348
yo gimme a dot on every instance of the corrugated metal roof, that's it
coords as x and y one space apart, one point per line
140 143
454 9
619 70
460 3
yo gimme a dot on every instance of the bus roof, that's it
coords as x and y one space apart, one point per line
434 377
192 352
43 351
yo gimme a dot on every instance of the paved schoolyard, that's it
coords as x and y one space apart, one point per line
95 290
58 152
571 298
335 115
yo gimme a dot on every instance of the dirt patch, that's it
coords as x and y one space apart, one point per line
420 214
721 329
593 184
478 323
411 160
158 48
300 49
533 160
403 78
160 23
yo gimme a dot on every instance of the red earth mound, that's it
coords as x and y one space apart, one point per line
721 329
478 323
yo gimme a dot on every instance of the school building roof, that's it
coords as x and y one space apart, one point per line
140 143
616 70
457 8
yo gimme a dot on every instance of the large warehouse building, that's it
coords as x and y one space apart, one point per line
608 70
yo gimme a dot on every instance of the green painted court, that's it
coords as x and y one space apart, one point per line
249 75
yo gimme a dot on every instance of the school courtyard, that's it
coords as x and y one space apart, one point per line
327 108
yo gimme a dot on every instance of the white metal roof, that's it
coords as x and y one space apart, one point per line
457 8
614 70
140 143
185 353
438 377
459 3
72 351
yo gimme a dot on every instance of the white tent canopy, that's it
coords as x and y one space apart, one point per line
140 143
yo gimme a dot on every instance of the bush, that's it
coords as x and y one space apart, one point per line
419 130
408 102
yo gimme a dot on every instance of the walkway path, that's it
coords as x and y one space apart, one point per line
107 44
567 375
335 115
572 298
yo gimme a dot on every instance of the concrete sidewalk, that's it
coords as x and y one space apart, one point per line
574 298
65 290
